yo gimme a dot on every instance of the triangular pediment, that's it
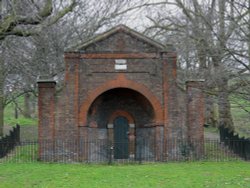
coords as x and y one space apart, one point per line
121 39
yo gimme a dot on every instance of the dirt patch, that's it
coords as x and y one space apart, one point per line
211 134
29 133
7 129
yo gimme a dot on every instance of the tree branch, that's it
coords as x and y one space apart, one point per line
9 25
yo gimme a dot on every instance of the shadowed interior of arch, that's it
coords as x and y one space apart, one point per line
122 99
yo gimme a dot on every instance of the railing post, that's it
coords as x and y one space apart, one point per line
140 150
247 149
18 134
110 152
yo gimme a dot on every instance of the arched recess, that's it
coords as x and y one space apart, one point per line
121 82
131 131
127 115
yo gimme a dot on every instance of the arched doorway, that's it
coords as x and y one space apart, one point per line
121 140
123 114
121 82
130 103
122 117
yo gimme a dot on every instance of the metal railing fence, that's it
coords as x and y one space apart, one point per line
102 151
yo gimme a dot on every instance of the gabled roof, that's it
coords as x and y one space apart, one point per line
124 29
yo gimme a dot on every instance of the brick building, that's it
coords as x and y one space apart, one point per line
120 89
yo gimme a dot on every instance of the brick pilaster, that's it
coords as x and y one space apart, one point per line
195 114
46 115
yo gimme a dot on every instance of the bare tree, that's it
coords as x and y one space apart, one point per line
205 33
41 52
25 18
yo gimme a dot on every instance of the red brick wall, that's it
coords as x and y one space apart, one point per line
46 116
147 90
195 109
195 114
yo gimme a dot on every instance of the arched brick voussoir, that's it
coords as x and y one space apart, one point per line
123 113
120 82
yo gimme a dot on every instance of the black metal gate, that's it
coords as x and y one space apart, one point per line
121 138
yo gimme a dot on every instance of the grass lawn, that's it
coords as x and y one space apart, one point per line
9 114
241 122
183 175
240 116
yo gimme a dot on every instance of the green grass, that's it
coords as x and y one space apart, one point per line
9 117
213 152
22 154
211 129
21 121
241 118
181 175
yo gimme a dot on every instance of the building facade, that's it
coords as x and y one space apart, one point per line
120 91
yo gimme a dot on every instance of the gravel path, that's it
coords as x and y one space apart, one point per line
211 135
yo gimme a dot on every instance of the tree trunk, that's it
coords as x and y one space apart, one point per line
16 112
27 110
225 117
249 34
210 111
1 94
